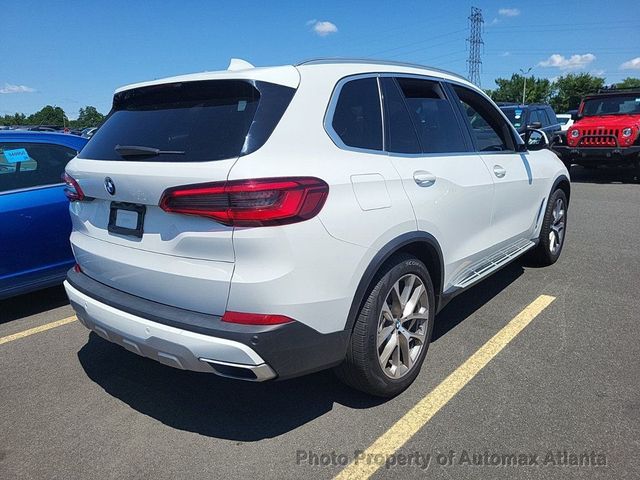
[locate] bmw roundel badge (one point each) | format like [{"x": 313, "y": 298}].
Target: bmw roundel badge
[{"x": 109, "y": 186}]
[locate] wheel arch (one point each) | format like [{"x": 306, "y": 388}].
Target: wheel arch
[
  {"x": 563, "y": 183},
  {"x": 422, "y": 245}
]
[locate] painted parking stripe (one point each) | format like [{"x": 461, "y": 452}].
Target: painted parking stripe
[
  {"x": 33, "y": 331},
  {"x": 425, "y": 409}
]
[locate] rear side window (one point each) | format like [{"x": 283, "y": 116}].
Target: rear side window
[
  {"x": 26, "y": 165},
  {"x": 357, "y": 119},
  {"x": 489, "y": 129},
  {"x": 433, "y": 116},
  {"x": 190, "y": 121},
  {"x": 401, "y": 136}
]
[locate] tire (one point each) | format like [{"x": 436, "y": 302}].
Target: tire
[
  {"x": 554, "y": 227},
  {"x": 362, "y": 368}
]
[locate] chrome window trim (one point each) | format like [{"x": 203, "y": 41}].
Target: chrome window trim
[
  {"x": 331, "y": 108},
  {"x": 333, "y": 135},
  {"x": 30, "y": 189}
]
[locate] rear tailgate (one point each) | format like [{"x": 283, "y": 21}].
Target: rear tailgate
[{"x": 178, "y": 133}]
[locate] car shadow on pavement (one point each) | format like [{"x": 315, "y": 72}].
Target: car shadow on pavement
[
  {"x": 32, "y": 303},
  {"x": 210, "y": 405},
  {"x": 604, "y": 175},
  {"x": 242, "y": 411}
]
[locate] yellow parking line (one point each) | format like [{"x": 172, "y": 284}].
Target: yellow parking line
[
  {"x": 425, "y": 409},
  {"x": 34, "y": 330}
]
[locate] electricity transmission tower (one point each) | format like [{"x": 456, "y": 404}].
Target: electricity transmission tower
[{"x": 475, "y": 44}]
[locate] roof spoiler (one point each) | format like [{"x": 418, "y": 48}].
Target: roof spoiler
[{"x": 239, "y": 64}]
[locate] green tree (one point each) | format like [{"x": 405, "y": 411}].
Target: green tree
[
  {"x": 49, "y": 115},
  {"x": 629, "y": 82},
  {"x": 15, "y": 119},
  {"x": 570, "y": 88},
  {"x": 88, "y": 117},
  {"x": 538, "y": 90}
]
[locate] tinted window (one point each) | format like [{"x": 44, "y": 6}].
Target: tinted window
[
  {"x": 24, "y": 165},
  {"x": 545, "y": 118},
  {"x": 201, "y": 121},
  {"x": 488, "y": 127},
  {"x": 551, "y": 115},
  {"x": 357, "y": 118},
  {"x": 515, "y": 115},
  {"x": 536, "y": 116},
  {"x": 433, "y": 116},
  {"x": 401, "y": 134}
]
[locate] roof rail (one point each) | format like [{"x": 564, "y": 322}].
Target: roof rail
[
  {"x": 372, "y": 61},
  {"x": 613, "y": 88}
]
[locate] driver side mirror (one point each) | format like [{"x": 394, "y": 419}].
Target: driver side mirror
[{"x": 536, "y": 139}]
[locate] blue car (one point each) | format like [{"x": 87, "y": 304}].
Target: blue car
[{"x": 34, "y": 211}]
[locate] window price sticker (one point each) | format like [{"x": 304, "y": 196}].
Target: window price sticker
[{"x": 16, "y": 155}]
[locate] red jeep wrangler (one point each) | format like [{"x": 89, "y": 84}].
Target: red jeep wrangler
[{"x": 606, "y": 131}]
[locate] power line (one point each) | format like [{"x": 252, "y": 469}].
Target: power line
[{"x": 474, "y": 63}]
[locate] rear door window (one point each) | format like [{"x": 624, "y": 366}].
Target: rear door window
[
  {"x": 401, "y": 136},
  {"x": 357, "y": 119},
  {"x": 189, "y": 121},
  {"x": 26, "y": 165},
  {"x": 433, "y": 116}
]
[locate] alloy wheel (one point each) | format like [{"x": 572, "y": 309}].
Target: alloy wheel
[
  {"x": 556, "y": 232},
  {"x": 402, "y": 326}
]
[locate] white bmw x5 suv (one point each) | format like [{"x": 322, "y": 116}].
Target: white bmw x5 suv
[{"x": 263, "y": 223}]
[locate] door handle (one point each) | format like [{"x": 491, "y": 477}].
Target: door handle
[
  {"x": 499, "y": 171},
  {"x": 424, "y": 179}
]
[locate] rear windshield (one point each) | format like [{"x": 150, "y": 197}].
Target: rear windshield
[{"x": 189, "y": 121}]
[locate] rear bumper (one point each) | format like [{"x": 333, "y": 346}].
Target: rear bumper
[
  {"x": 200, "y": 342},
  {"x": 599, "y": 155}
]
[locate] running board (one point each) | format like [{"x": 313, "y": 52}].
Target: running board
[{"x": 488, "y": 265}]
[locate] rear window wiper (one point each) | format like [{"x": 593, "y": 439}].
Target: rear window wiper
[{"x": 141, "y": 151}]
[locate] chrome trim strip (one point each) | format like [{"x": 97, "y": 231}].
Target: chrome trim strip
[
  {"x": 29, "y": 189},
  {"x": 328, "y": 117},
  {"x": 331, "y": 108}
]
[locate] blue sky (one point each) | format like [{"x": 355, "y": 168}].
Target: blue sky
[{"x": 72, "y": 53}]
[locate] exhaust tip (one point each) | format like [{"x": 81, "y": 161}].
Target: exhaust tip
[{"x": 251, "y": 373}]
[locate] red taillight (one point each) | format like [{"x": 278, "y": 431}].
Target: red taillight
[
  {"x": 255, "y": 318},
  {"x": 250, "y": 203},
  {"x": 77, "y": 269},
  {"x": 72, "y": 190}
]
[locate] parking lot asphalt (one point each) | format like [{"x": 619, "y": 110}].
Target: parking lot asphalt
[{"x": 75, "y": 406}]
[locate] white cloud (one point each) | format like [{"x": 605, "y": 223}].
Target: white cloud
[
  {"x": 322, "y": 28},
  {"x": 505, "y": 54},
  {"x": 509, "y": 12},
  {"x": 598, "y": 73},
  {"x": 574, "y": 61},
  {"x": 10, "y": 88},
  {"x": 633, "y": 64}
]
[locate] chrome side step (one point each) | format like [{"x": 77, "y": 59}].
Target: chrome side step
[{"x": 490, "y": 264}]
